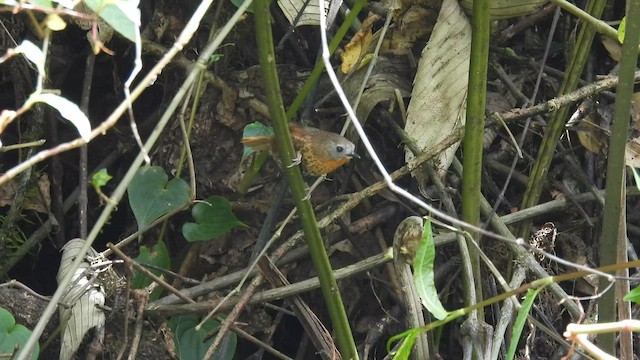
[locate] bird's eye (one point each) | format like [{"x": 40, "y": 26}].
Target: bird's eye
[{"x": 339, "y": 148}]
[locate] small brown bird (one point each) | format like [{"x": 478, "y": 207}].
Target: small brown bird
[{"x": 321, "y": 151}]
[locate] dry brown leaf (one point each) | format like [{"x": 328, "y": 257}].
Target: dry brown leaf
[
  {"x": 292, "y": 8},
  {"x": 358, "y": 45},
  {"x": 632, "y": 155},
  {"x": 613, "y": 46},
  {"x": 591, "y": 137},
  {"x": 388, "y": 76},
  {"x": 414, "y": 21},
  {"x": 438, "y": 100},
  {"x": 635, "y": 111},
  {"x": 40, "y": 201}
]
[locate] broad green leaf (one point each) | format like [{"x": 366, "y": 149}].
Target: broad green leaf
[
  {"x": 42, "y": 3},
  {"x": 423, "y": 273},
  {"x": 158, "y": 256},
  {"x": 521, "y": 320},
  {"x": 191, "y": 344},
  {"x": 409, "y": 335},
  {"x": 257, "y": 129},
  {"x": 633, "y": 295},
  {"x": 100, "y": 178},
  {"x": 213, "y": 218},
  {"x": 152, "y": 196},
  {"x": 68, "y": 110},
  {"x": 622, "y": 29},
  {"x": 13, "y": 335},
  {"x": 215, "y": 58},
  {"x": 404, "y": 351},
  {"x": 254, "y": 129},
  {"x": 122, "y": 15}
]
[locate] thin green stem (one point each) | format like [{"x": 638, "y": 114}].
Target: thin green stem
[
  {"x": 252, "y": 172},
  {"x": 594, "y": 22},
  {"x": 474, "y": 128},
  {"x": 613, "y": 205},
  {"x": 600, "y": 26},
  {"x": 328, "y": 284}
]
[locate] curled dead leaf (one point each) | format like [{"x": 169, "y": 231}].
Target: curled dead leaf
[
  {"x": 358, "y": 46},
  {"x": 37, "y": 199},
  {"x": 632, "y": 153},
  {"x": 438, "y": 100},
  {"x": 591, "y": 137}
]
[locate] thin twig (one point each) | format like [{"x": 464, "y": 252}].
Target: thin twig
[
  {"x": 83, "y": 199},
  {"x": 129, "y": 261}
]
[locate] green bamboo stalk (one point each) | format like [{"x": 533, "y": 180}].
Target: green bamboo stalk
[
  {"x": 328, "y": 284},
  {"x": 540, "y": 169},
  {"x": 614, "y": 201},
  {"x": 473, "y": 137}
]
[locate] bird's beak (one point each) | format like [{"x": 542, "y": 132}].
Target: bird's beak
[{"x": 353, "y": 156}]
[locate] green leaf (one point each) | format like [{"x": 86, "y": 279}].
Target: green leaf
[
  {"x": 521, "y": 321},
  {"x": 213, "y": 218},
  {"x": 100, "y": 178},
  {"x": 158, "y": 256},
  {"x": 151, "y": 196},
  {"x": 13, "y": 335},
  {"x": 122, "y": 15},
  {"x": 257, "y": 129},
  {"x": 423, "y": 273},
  {"x": 633, "y": 295},
  {"x": 622, "y": 29},
  {"x": 68, "y": 110},
  {"x": 408, "y": 338},
  {"x": 404, "y": 351},
  {"x": 215, "y": 58},
  {"x": 254, "y": 129},
  {"x": 191, "y": 344},
  {"x": 42, "y": 3}
]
